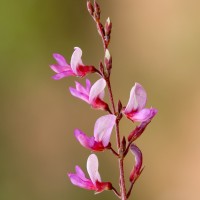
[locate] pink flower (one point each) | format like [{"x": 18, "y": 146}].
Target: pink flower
[
  {"x": 75, "y": 68},
  {"x": 135, "y": 109},
  {"x": 102, "y": 132},
  {"x": 92, "y": 95},
  {"x": 137, "y": 169},
  {"x": 94, "y": 183}
]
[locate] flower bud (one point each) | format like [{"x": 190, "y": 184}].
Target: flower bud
[
  {"x": 101, "y": 68},
  {"x": 108, "y": 27},
  {"x": 97, "y": 11},
  {"x": 90, "y": 8},
  {"x": 108, "y": 60},
  {"x": 119, "y": 106},
  {"x": 123, "y": 144},
  {"x": 138, "y": 131},
  {"x": 137, "y": 169}
]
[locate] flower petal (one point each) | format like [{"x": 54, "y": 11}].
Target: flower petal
[
  {"x": 76, "y": 180},
  {"x": 83, "y": 89},
  {"x": 79, "y": 95},
  {"x": 87, "y": 142},
  {"x": 88, "y": 85},
  {"x": 97, "y": 90},
  {"x": 58, "y": 68},
  {"x": 80, "y": 173},
  {"x": 62, "y": 75},
  {"x": 143, "y": 115},
  {"x": 103, "y": 128},
  {"x": 60, "y": 59},
  {"x": 92, "y": 168},
  {"x": 76, "y": 59},
  {"x": 136, "y": 171},
  {"x": 137, "y": 100}
]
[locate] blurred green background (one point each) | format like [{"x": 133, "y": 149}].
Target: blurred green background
[{"x": 155, "y": 43}]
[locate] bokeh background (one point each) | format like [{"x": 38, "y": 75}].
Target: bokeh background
[{"x": 155, "y": 43}]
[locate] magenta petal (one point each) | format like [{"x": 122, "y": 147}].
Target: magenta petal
[
  {"x": 60, "y": 59},
  {"x": 143, "y": 115},
  {"x": 85, "y": 141},
  {"x": 62, "y": 75},
  {"x": 82, "y": 89},
  {"x": 59, "y": 68},
  {"x": 103, "y": 129},
  {"x": 88, "y": 85},
  {"x": 80, "y": 173},
  {"x": 82, "y": 183},
  {"x": 79, "y": 95},
  {"x": 76, "y": 60},
  {"x": 138, "y": 162},
  {"x": 137, "y": 100}
]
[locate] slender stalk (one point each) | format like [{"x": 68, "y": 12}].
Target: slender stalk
[
  {"x": 113, "y": 151},
  {"x": 127, "y": 148},
  {"x": 122, "y": 180},
  {"x": 117, "y": 193},
  {"x": 123, "y": 195},
  {"x": 130, "y": 189},
  {"x": 121, "y": 159},
  {"x": 111, "y": 95}
]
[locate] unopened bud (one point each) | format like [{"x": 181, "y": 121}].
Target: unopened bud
[
  {"x": 100, "y": 29},
  {"x": 138, "y": 131},
  {"x": 90, "y": 8},
  {"x": 123, "y": 144},
  {"x": 108, "y": 27},
  {"x": 137, "y": 169},
  {"x": 97, "y": 10},
  {"x": 108, "y": 60},
  {"x": 101, "y": 68},
  {"x": 119, "y": 106}
]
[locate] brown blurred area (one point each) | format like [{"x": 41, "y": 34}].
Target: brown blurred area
[{"x": 155, "y": 43}]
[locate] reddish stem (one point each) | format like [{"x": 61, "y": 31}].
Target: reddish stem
[
  {"x": 123, "y": 195},
  {"x": 121, "y": 159},
  {"x": 113, "y": 151},
  {"x": 127, "y": 148},
  {"x": 122, "y": 180},
  {"x": 116, "y": 193}
]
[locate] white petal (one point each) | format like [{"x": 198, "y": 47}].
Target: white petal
[
  {"x": 97, "y": 90},
  {"x": 137, "y": 100},
  {"x": 103, "y": 129},
  {"x": 92, "y": 168},
  {"x": 76, "y": 59}
]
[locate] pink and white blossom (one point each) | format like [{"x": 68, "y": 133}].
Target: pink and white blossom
[
  {"x": 135, "y": 109},
  {"x": 102, "y": 132},
  {"x": 94, "y": 183},
  {"x": 75, "y": 68},
  {"x": 137, "y": 169},
  {"x": 92, "y": 95}
]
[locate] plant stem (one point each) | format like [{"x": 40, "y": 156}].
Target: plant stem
[
  {"x": 123, "y": 195},
  {"x": 121, "y": 159},
  {"x": 111, "y": 95},
  {"x": 122, "y": 180},
  {"x": 113, "y": 151},
  {"x": 116, "y": 193}
]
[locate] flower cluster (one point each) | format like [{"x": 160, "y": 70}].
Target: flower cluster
[{"x": 93, "y": 94}]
